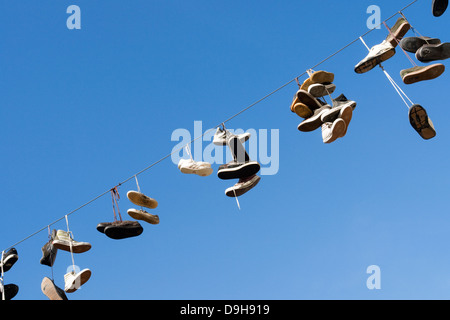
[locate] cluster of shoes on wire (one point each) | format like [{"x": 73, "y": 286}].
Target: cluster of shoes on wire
[
  {"x": 309, "y": 103},
  {"x": 241, "y": 167},
  {"x": 425, "y": 50}
]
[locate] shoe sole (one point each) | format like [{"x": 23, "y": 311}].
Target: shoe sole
[
  {"x": 142, "y": 200},
  {"x": 201, "y": 172},
  {"x": 147, "y": 217},
  {"x": 435, "y": 52},
  {"x": 118, "y": 232},
  {"x": 312, "y": 123},
  {"x": 307, "y": 99},
  {"x": 239, "y": 192},
  {"x": 412, "y": 44},
  {"x": 439, "y": 7},
  {"x": 338, "y": 130},
  {"x": 399, "y": 33},
  {"x": 419, "y": 120},
  {"x": 63, "y": 245},
  {"x": 374, "y": 61},
  {"x": 322, "y": 77},
  {"x": 426, "y": 73},
  {"x": 48, "y": 287},
  {"x": 9, "y": 262},
  {"x": 318, "y": 90},
  {"x": 302, "y": 110},
  {"x": 243, "y": 171}
]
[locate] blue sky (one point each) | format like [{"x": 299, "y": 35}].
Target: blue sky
[{"x": 82, "y": 110}]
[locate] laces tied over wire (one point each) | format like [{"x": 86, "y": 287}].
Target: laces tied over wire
[
  {"x": 115, "y": 203},
  {"x": 2, "y": 286}
]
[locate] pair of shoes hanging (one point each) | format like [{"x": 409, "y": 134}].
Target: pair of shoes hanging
[
  {"x": 438, "y": 7},
  {"x": 53, "y": 292},
  {"x": 8, "y": 259},
  {"x": 142, "y": 200}
]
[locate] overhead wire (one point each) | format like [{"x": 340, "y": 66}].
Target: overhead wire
[{"x": 214, "y": 128}]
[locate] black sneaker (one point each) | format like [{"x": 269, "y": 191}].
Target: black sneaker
[
  {"x": 433, "y": 52},
  {"x": 439, "y": 7},
  {"x": 237, "y": 170},
  {"x": 123, "y": 229},
  {"x": 9, "y": 258},
  {"x": 102, "y": 225},
  {"x": 420, "y": 121},
  {"x": 49, "y": 252},
  {"x": 11, "y": 291}
]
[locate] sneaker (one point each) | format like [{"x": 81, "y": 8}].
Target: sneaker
[
  {"x": 308, "y": 99},
  {"x": 377, "y": 54},
  {"x": 11, "y": 291},
  {"x": 141, "y": 199},
  {"x": 9, "y": 259},
  {"x": 420, "y": 121},
  {"x": 190, "y": 166},
  {"x": 49, "y": 288},
  {"x": 300, "y": 109},
  {"x": 322, "y": 77},
  {"x": 315, "y": 121},
  {"x": 333, "y": 130},
  {"x": 221, "y": 136},
  {"x": 49, "y": 252},
  {"x": 244, "y": 185},
  {"x": 346, "y": 114},
  {"x": 400, "y": 28},
  {"x": 422, "y": 73},
  {"x": 338, "y": 104},
  {"x": 318, "y": 90},
  {"x": 123, "y": 229},
  {"x": 412, "y": 44},
  {"x": 63, "y": 241},
  {"x": 102, "y": 225},
  {"x": 433, "y": 52},
  {"x": 237, "y": 170},
  {"x": 73, "y": 281},
  {"x": 143, "y": 215},
  {"x": 439, "y": 7}
]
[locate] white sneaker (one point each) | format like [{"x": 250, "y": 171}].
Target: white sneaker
[
  {"x": 73, "y": 281},
  {"x": 190, "y": 166},
  {"x": 333, "y": 130},
  {"x": 244, "y": 185},
  {"x": 220, "y": 137},
  {"x": 377, "y": 54}
]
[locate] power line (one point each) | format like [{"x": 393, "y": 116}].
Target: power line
[{"x": 223, "y": 122}]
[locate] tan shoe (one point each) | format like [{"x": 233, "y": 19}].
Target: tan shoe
[
  {"x": 143, "y": 215},
  {"x": 49, "y": 288},
  {"x": 63, "y": 241},
  {"x": 422, "y": 73},
  {"x": 142, "y": 200},
  {"x": 400, "y": 28}
]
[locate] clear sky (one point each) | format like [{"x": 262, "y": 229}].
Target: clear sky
[{"x": 83, "y": 110}]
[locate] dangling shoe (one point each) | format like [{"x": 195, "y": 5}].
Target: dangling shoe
[
  {"x": 433, "y": 52},
  {"x": 338, "y": 104},
  {"x": 221, "y": 136},
  {"x": 11, "y": 291},
  {"x": 9, "y": 259},
  {"x": 63, "y": 241},
  {"x": 422, "y": 73},
  {"x": 331, "y": 131},
  {"x": 412, "y": 44},
  {"x": 123, "y": 229},
  {"x": 315, "y": 121},
  {"x": 377, "y": 54},
  {"x": 190, "y": 166},
  {"x": 73, "y": 281},
  {"x": 141, "y": 200},
  {"x": 420, "y": 121},
  {"x": 299, "y": 108},
  {"x": 49, "y": 251},
  {"x": 244, "y": 185},
  {"x": 237, "y": 170},
  {"x": 318, "y": 90},
  {"x": 400, "y": 28},
  {"x": 439, "y": 7},
  {"x": 143, "y": 215},
  {"x": 49, "y": 288}
]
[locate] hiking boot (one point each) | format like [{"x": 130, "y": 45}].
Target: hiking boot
[
  {"x": 73, "y": 281},
  {"x": 338, "y": 104},
  {"x": 237, "y": 170},
  {"x": 315, "y": 121},
  {"x": 433, "y": 52},
  {"x": 141, "y": 199},
  {"x": 318, "y": 90},
  {"x": 244, "y": 185},
  {"x": 221, "y": 136},
  {"x": 377, "y": 54},
  {"x": 333, "y": 130},
  {"x": 49, "y": 252},
  {"x": 63, "y": 241},
  {"x": 422, "y": 73},
  {"x": 412, "y": 44},
  {"x": 420, "y": 121},
  {"x": 11, "y": 291},
  {"x": 190, "y": 166},
  {"x": 400, "y": 28},
  {"x": 123, "y": 229},
  {"x": 49, "y": 288},
  {"x": 9, "y": 258},
  {"x": 143, "y": 215},
  {"x": 438, "y": 7}
]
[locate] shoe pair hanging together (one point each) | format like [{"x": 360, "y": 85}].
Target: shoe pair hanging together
[{"x": 7, "y": 260}]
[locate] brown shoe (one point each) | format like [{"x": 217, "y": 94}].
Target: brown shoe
[
  {"x": 422, "y": 73},
  {"x": 420, "y": 121},
  {"x": 398, "y": 31}
]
